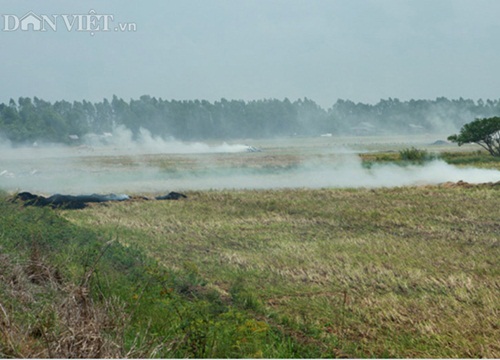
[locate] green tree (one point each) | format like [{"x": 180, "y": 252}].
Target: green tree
[{"x": 484, "y": 132}]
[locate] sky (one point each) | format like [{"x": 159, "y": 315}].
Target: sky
[{"x": 360, "y": 50}]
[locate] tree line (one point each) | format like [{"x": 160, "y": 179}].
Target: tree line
[{"x": 29, "y": 120}]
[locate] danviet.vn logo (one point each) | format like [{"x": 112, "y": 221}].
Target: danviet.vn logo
[{"x": 90, "y": 22}]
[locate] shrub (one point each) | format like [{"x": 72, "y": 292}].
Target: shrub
[{"x": 413, "y": 154}]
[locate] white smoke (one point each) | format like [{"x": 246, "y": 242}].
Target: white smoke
[
  {"x": 114, "y": 163},
  {"x": 121, "y": 141},
  {"x": 90, "y": 175},
  {"x": 347, "y": 173}
]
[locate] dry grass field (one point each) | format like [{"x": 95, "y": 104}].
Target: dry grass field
[{"x": 399, "y": 272}]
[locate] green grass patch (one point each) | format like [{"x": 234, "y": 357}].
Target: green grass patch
[
  {"x": 479, "y": 158},
  {"x": 72, "y": 291}
]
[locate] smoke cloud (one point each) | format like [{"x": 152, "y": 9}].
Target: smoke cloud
[
  {"x": 348, "y": 172},
  {"x": 98, "y": 168},
  {"x": 122, "y": 141}
]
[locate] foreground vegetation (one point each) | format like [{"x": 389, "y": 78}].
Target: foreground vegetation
[
  {"x": 404, "y": 272},
  {"x": 67, "y": 291}
]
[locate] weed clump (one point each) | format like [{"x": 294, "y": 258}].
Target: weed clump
[
  {"x": 44, "y": 316},
  {"x": 244, "y": 297},
  {"x": 415, "y": 155}
]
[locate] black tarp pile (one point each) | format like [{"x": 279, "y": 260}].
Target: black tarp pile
[
  {"x": 171, "y": 196},
  {"x": 81, "y": 201}
]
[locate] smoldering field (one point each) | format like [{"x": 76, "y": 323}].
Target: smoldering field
[
  {"x": 361, "y": 273},
  {"x": 147, "y": 164}
]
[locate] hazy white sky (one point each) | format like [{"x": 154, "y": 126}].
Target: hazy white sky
[{"x": 362, "y": 50}]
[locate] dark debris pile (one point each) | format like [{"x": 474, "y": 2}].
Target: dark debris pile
[{"x": 58, "y": 201}]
